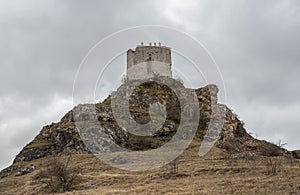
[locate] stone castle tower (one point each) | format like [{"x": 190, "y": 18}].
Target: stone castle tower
[{"x": 148, "y": 61}]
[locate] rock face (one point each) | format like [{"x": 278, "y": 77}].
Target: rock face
[
  {"x": 26, "y": 170},
  {"x": 87, "y": 124},
  {"x": 296, "y": 154},
  {"x": 53, "y": 139}
]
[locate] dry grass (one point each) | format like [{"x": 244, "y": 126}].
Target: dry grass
[
  {"x": 39, "y": 143},
  {"x": 208, "y": 175}
]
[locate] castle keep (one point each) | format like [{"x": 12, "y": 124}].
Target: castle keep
[{"x": 147, "y": 61}]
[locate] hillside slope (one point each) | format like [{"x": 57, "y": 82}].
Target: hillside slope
[{"x": 72, "y": 135}]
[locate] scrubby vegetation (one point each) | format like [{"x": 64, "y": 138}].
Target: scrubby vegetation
[{"x": 59, "y": 175}]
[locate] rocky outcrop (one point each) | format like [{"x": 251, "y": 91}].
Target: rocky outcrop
[
  {"x": 296, "y": 154},
  {"x": 26, "y": 170},
  {"x": 91, "y": 128},
  {"x": 53, "y": 139}
]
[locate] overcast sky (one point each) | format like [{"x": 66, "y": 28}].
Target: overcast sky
[{"x": 256, "y": 45}]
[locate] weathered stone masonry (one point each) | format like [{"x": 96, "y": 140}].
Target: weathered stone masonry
[{"x": 148, "y": 61}]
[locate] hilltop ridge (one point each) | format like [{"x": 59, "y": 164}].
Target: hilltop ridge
[
  {"x": 63, "y": 137},
  {"x": 90, "y": 129}
]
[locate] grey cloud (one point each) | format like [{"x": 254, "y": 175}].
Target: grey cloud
[
  {"x": 42, "y": 45},
  {"x": 255, "y": 44}
]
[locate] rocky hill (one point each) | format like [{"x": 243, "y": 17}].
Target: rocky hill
[
  {"x": 73, "y": 133},
  {"x": 63, "y": 137}
]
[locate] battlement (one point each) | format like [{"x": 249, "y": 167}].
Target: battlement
[{"x": 149, "y": 60}]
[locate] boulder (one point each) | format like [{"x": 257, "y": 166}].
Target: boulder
[{"x": 296, "y": 154}]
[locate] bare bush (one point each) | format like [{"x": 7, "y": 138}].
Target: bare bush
[
  {"x": 174, "y": 167},
  {"x": 280, "y": 144},
  {"x": 290, "y": 160},
  {"x": 59, "y": 176},
  {"x": 269, "y": 149},
  {"x": 272, "y": 166}
]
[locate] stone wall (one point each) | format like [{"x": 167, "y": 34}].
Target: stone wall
[{"x": 147, "y": 61}]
